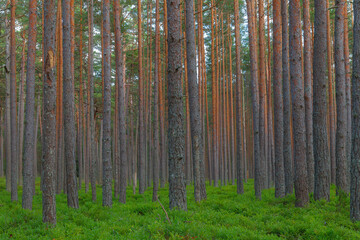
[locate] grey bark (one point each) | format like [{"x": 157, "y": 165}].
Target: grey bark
[
  {"x": 288, "y": 156},
  {"x": 321, "y": 147},
  {"x": 7, "y": 107},
  {"x": 355, "y": 152},
  {"x": 340, "y": 78},
  {"x": 308, "y": 95},
  {"x": 194, "y": 104},
  {"x": 278, "y": 101},
  {"x": 176, "y": 136},
  {"x": 298, "y": 105},
  {"x": 29, "y": 141},
  {"x": 239, "y": 86},
  {"x": 13, "y": 129},
  {"x": 49, "y": 121},
  {"x": 69, "y": 111},
  {"x": 106, "y": 153}
]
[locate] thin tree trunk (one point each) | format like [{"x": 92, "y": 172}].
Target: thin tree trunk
[
  {"x": 341, "y": 130},
  {"x": 106, "y": 154},
  {"x": 91, "y": 118},
  {"x": 142, "y": 143},
  {"x": 30, "y": 141},
  {"x": 177, "y": 188},
  {"x": 49, "y": 121},
  {"x": 255, "y": 94},
  {"x": 14, "y": 159},
  {"x": 69, "y": 110},
  {"x": 278, "y": 101},
  {"x": 308, "y": 95},
  {"x": 157, "y": 76},
  {"x": 298, "y": 105},
  {"x": 239, "y": 104},
  {"x": 288, "y": 156},
  {"x": 355, "y": 153},
  {"x": 7, "y": 107},
  {"x": 321, "y": 149}
]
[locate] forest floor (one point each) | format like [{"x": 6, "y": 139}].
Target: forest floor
[{"x": 224, "y": 215}]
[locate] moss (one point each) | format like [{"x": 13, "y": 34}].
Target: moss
[{"x": 224, "y": 215}]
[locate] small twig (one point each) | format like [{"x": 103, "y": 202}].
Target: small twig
[{"x": 167, "y": 216}]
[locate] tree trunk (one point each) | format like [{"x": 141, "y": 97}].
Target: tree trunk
[
  {"x": 278, "y": 101},
  {"x": 239, "y": 86},
  {"x": 177, "y": 185},
  {"x": 355, "y": 152},
  {"x": 142, "y": 143},
  {"x": 341, "y": 130},
  {"x": 255, "y": 94},
  {"x": 30, "y": 141},
  {"x": 69, "y": 110},
  {"x": 106, "y": 153},
  {"x": 7, "y": 108},
  {"x": 157, "y": 76},
  {"x": 14, "y": 159},
  {"x": 193, "y": 91},
  {"x": 91, "y": 118},
  {"x": 288, "y": 156},
  {"x": 321, "y": 149},
  {"x": 49, "y": 121},
  {"x": 308, "y": 95},
  {"x": 298, "y": 105}
]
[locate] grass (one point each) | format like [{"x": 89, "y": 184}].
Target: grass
[{"x": 224, "y": 215}]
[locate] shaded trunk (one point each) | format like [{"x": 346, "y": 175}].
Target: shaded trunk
[
  {"x": 49, "y": 121},
  {"x": 298, "y": 105},
  {"x": 355, "y": 151},
  {"x": 321, "y": 148},
  {"x": 239, "y": 109},
  {"x": 308, "y": 95},
  {"x": 69, "y": 110},
  {"x": 29, "y": 174},
  {"x": 106, "y": 152},
  {"x": 340, "y": 78},
  {"x": 278, "y": 102},
  {"x": 14, "y": 156},
  {"x": 177, "y": 185},
  {"x": 287, "y": 149}
]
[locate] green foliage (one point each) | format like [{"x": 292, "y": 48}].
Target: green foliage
[{"x": 225, "y": 215}]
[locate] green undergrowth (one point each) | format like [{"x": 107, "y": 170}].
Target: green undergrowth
[{"x": 224, "y": 215}]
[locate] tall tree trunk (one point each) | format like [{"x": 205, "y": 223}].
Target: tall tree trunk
[
  {"x": 157, "y": 76},
  {"x": 321, "y": 149},
  {"x": 262, "y": 95},
  {"x": 177, "y": 185},
  {"x": 121, "y": 103},
  {"x": 142, "y": 143},
  {"x": 355, "y": 152},
  {"x": 348, "y": 91},
  {"x": 20, "y": 115},
  {"x": 255, "y": 95},
  {"x": 49, "y": 121},
  {"x": 239, "y": 87},
  {"x": 106, "y": 153},
  {"x": 193, "y": 91},
  {"x": 288, "y": 156},
  {"x": 341, "y": 130},
  {"x": 91, "y": 118},
  {"x": 69, "y": 110},
  {"x": 298, "y": 105},
  {"x": 30, "y": 141},
  {"x": 332, "y": 107},
  {"x": 7, "y": 107},
  {"x": 14, "y": 159},
  {"x": 308, "y": 95},
  {"x": 278, "y": 101}
]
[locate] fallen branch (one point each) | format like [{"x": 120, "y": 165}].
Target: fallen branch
[{"x": 167, "y": 216}]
